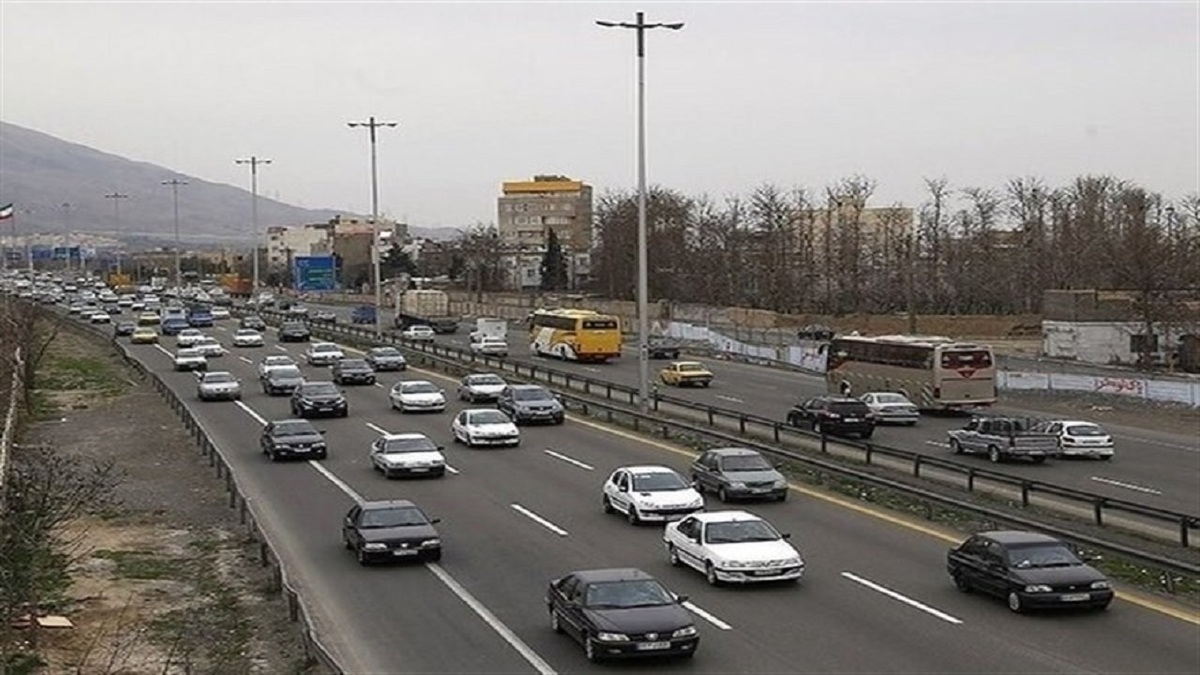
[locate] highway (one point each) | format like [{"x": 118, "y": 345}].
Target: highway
[
  {"x": 1151, "y": 467},
  {"x": 876, "y": 597}
]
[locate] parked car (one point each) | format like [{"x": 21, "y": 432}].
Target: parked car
[
  {"x": 529, "y": 403},
  {"x": 282, "y": 380},
  {"x": 486, "y": 426},
  {"x": 621, "y": 613},
  {"x": 489, "y": 346},
  {"x": 409, "y": 454},
  {"x": 283, "y": 439},
  {"x": 353, "y": 371},
  {"x": 190, "y": 359},
  {"x": 217, "y": 386},
  {"x": 663, "y": 348},
  {"x": 417, "y": 396},
  {"x": 649, "y": 494},
  {"x": 834, "y": 415},
  {"x": 386, "y": 358},
  {"x": 417, "y": 333},
  {"x": 1080, "y": 439},
  {"x": 891, "y": 408},
  {"x": 294, "y": 331},
  {"x": 738, "y": 473},
  {"x": 1029, "y": 570},
  {"x": 732, "y": 546},
  {"x": 323, "y": 354},
  {"x": 686, "y": 374},
  {"x": 247, "y": 337},
  {"x": 480, "y": 387},
  {"x": 318, "y": 398},
  {"x": 394, "y": 529},
  {"x": 1003, "y": 439}
]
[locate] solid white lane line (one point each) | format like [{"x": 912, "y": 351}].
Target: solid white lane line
[
  {"x": 281, "y": 348},
  {"x": 490, "y": 619},
  {"x": 336, "y": 481},
  {"x": 452, "y": 470},
  {"x": 706, "y": 616},
  {"x": 1127, "y": 486},
  {"x": 1151, "y": 441},
  {"x": 379, "y": 384},
  {"x": 902, "y": 598},
  {"x": 378, "y": 429},
  {"x": 250, "y": 411},
  {"x": 163, "y": 350},
  {"x": 937, "y": 444},
  {"x": 245, "y": 359},
  {"x": 569, "y": 460},
  {"x": 539, "y": 520},
  {"x": 733, "y": 399}
]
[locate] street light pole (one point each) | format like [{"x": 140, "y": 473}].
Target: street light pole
[
  {"x": 175, "y": 183},
  {"x": 643, "y": 291},
  {"x": 66, "y": 207},
  {"x": 116, "y": 198},
  {"x": 254, "y": 161},
  {"x": 372, "y": 124}
]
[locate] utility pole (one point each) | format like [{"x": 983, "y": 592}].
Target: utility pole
[
  {"x": 66, "y": 207},
  {"x": 175, "y": 183},
  {"x": 371, "y": 125},
  {"x": 254, "y": 161},
  {"x": 643, "y": 291},
  {"x": 116, "y": 198}
]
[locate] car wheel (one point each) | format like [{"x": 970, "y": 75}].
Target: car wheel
[
  {"x": 783, "y": 496},
  {"x": 362, "y": 557},
  {"x": 434, "y": 556},
  {"x": 961, "y": 583},
  {"x": 867, "y": 434},
  {"x": 994, "y": 455},
  {"x": 1038, "y": 460},
  {"x": 1014, "y": 602},
  {"x": 607, "y": 505},
  {"x": 672, "y": 555},
  {"x": 273, "y": 455},
  {"x": 1106, "y": 458},
  {"x": 346, "y": 542},
  {"x": 955, "y": 446},
  {"x": 632, "y": 516},
  {"x": 560, "y": 419},
  {"x": 555, "y": 624},
  {"x": 344, "y": 413},
  {"x": 710, "y": 574},
  {"x": 589, "y": 650},
  {"x": 722, "y": 494}
]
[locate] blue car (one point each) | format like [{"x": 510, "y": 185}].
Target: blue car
[
  {"x": 200, "y": 318},
  {"x": 363, "y": 314},
  {"x": 172, "y": 326}
]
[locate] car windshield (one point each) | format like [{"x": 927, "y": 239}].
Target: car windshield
[
  {"x": 1042, "y": 555},
  {"x": 188, "y": 352},
  {"x": 279, "y": 361},
  {"x": 745, "y": 463},
  {"x": 393, "y": 517},
  {"x": 1085, "y": 430},
  {"x": 219, "y": 378},
  {"x": 293, "y": 325},
  {"x": 739, "y": 531},
  {"x": 850, "y": 408},
  {"x": 209, "y": 342},
  {"x": 413, "y": 444},
  {"x": 625, "y": 594},
  {"x": 537, "y": 394},
  {"x": 246, "y": 332},
  {"x": 484, "y": 380},
  {"x": 286, "y": 372},
  {"x": 319, "y": 389},
  {"x": 354, "y": 364},
  {"x": 659, "y": 481},
  {"x": 190, "y": 332},
  {"x": 385, "y": 351},
  {"x": 326, "y": 348},
  {"x": 294, "y": 428},
  {"x": 890, "y": 398},
  {"x": 487, "y": 417},
  {"x": 418, "y": 388}
]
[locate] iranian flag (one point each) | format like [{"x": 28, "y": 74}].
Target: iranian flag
[{"x": 6, "y": 212}]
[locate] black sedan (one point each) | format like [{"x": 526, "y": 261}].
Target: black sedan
[
  {"x": 283, "y": 439},
  {"x": 294, "y": 331},
  {"x": 390, "y": 530},
  {"x": 833, "y": 415},
  {"x": 386, "y": 358},
  {"x": 282, "y": 380},
  {"x": 353, "y": 371},
  {"x": 738, "y": 473},
  {"x": 618, "y": 613},
  {"x": 319, "y": 398},
  {"x": 663, "y": 348},
  {"x": 1029, "y": 570}
]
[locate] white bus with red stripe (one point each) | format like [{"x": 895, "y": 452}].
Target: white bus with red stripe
[{"x": 936, "y": 373}]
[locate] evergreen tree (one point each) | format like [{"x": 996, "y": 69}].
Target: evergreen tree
[{"x": 554, "y": 265}]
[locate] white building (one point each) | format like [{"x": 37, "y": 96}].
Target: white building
[{"x": 284, "y": 243}]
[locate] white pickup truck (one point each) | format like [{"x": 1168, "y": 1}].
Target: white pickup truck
[
  {"x": 489, "y": 346},
  {"x": 1003, "y": 439}
]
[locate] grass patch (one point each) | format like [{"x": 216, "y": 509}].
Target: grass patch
[
  {"x": 145, "y": 566},
  {"x": 80, "y": 373}
]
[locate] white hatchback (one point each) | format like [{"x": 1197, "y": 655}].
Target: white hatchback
[
  {"x": 732, "y": 546},
  {"x": 188, "y": 337},
  {"x": 650, "y": 494},
  {"x": 485, "y": 426},
  {"x": 247, "y": 337},
  {"x": 407, "y": 455},
  {"x": 324, "y": 354},
  {"x": 417, "y": 396},
  {"x": 1082, "y": 439},
  {"x": 274, "y": 361}
]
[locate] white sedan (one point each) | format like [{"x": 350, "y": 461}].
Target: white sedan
[
  {"x": 188, "y": 337},
  {"x": 324, "y": 354},
  {"x": 732, "y": 546},
  {"x": 486, "y": 426},
  {"x": 489, "y": 346},
  {"x": 1082, "y": 439},
  {"x": 892, "y": 408},
  {"x": 274, "y": 361},
  {"x": 417, "y": 395},
  {"x": 99, "y": 317},
  {"x": 417, "y": 334},
  {"x": 650, "y": 494},
  {"x": 247, "y": 337},
  {"x": 210, "y": 347},
  {"x": 219, "y": 313},
  {"x": 407, "y": 455}
]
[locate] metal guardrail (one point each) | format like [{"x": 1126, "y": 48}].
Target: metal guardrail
[
  {"x": 749, "y": 424},
  {"x": 314, "y": 650},
  {"x": 667, "y": 428}
]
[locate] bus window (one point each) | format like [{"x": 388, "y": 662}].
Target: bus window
[{"x": 966, "y": 359}]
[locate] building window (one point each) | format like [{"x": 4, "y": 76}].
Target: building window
[{"x": 1139, "y": 344}]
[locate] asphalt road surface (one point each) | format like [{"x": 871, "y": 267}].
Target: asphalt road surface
[{"x": 875, "y": 598}]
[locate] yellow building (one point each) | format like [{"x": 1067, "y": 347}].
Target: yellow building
[{"x": 527, "y": 210}]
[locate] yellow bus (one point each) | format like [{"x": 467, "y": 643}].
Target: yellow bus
[
  {"x": 574, "y": 334},
  {"x": 936, "y": 373}
]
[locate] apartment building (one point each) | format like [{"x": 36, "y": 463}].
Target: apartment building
[{"x": 527, "y": 210}]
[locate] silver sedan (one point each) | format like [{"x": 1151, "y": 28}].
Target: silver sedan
[{"x": 891, "y": 408}]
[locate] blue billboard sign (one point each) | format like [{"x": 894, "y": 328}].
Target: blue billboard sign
[
  {"x": 40, "y": 252},
  {"x": 314, "y": 273}
]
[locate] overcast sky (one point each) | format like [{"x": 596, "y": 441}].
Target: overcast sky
[{"x": 796, "y": 94}]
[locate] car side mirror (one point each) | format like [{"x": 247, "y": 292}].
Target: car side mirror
[
  {"x": 441, "y": 447},
  {"x": 434, "y": 521},
  {"x": 681, "y": 599},
  {"x": 786, "y": 535},
  {"x": 622, "y": 488},
  {"x": 321, "y": 431}
]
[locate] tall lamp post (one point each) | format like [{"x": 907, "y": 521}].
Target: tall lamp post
[
  {"x": 175, "y": 183},
  {"x": 254, "y": 161},
  {"x": 371, "y": 125},
  {"x": 116, "y": 198},
  {"x": 66, "y": 207},
  {"x": 643, "y": 292}
]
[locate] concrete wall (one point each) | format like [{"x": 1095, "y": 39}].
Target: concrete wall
[{"x": 1106, "y": 342}]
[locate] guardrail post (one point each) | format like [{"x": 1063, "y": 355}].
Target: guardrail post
[
  {"x": 868, "y": 451},
  {"x": 917, "y": 465},
  {"x": 1025, "y": 493},
  {"x": 824, "y": 442},
  {"x": 231, "y": 489},
  {"x": 711, "y": 422},
  {"x": 293, "y": 601},
  {"x": 1098, "y": 511},
  {"x": 742, "y": 423},
  {"x": 970, "y": 480},
  {"x": 1185, "y": 523}
]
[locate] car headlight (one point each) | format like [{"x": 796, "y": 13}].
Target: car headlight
[
  {"x": 1100, "y": 585},
  {"x": 738, "y": 486},
  {"x": 697, "y": 503},
  {"x": 1037, "y": 588},
  {"x": 431, "y": 542},
  {"x": 736, "y": 564},
  {"x": 374, "y": 546},
  {"x": 611, "y": 637},
  {"x": 781, "y": 483},
  {"x": 686, "y": 631}
]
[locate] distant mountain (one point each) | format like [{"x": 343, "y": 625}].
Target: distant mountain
[{"x": 39, "y": 173}]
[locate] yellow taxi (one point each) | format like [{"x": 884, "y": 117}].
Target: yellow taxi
[
  {"x": 144, "y": 335},
  {"x": 148, "y": 319},
  {"x": 686, "y": 374}
]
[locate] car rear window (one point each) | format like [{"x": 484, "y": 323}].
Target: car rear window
[{"x": 849, "y": 407}]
